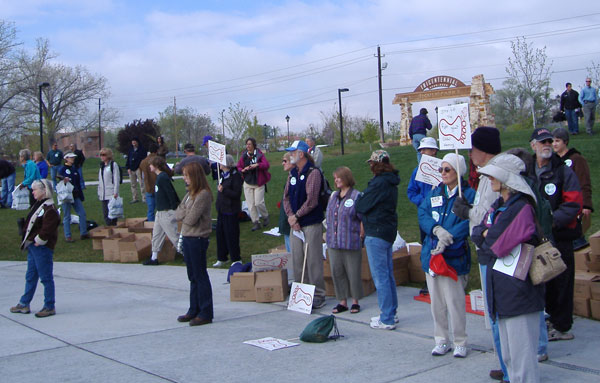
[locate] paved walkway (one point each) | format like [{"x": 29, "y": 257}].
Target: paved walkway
[{"x": 117, "y": 323}]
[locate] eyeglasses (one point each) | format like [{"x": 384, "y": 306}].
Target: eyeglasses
[
  {"x": 445, "y": 170},
  {"x": 284, "y": 161},
  {"x": 547, "y": 141},
  {"x": 588, "y": 80},
  {"x": 102, "y": 154}
]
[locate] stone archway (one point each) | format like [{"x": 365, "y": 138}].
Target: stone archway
[{"x": 443, "y": 87}]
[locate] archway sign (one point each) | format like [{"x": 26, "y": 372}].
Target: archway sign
[{"x": 444, "y": 87}]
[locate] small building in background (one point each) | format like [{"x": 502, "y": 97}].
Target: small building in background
[{"x": 86, "y": 141}]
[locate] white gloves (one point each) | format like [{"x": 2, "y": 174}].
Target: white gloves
[{"x": 445, "y": 239}]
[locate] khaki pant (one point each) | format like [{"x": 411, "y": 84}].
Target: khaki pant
[
  {"x": 164, "y": 225},
  {"x": 313, "y": 274},
  {"x": 448, "y": 300},
  {"x": 345, "y": 272},
  {"x": 255, "y": 198},
  {"x": 133, "y": 177}
]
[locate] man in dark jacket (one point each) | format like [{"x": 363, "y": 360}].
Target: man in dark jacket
[
  {"x": 78, "y": 164},
  {"x": 8, "y": 175},
  {"x": 135, "y": 156},
  {"x": 418, "y": 130},
  {"x": 229, "y": 206},
  {"x": 579, "y": 165},
  {"x": 54, "y": 160},
  {"x": 559, "y": 185},
  {"x": 569, "y": 103},
  {"x": 305, "y": 214}
]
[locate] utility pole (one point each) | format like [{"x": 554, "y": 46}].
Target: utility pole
[
  {"x": 380, "y": 94},
  {"x": 223, "y": 123},
  {"x": 175, "y": 127},
  {"x": 99, "y": 126}
]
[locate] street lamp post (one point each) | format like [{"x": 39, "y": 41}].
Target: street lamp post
[
  {"x": 40, "y": 86},
  {"x": 223, "y": 122},
  {"x": 341, "y": 119},
  {"x": 287, "y": 119}
]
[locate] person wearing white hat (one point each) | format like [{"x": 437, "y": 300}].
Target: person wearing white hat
[
  {"x": 514, "y": 304},
  {"x": 417, "y": 190},
  {"x": 446, "y": 234},
  {"x": 69, "y": 173}
]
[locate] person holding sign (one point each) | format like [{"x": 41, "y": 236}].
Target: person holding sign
[
  {"x": 417, "y": 190},
  {"x": 228, "y": 205},
  {"x": 515, "y": 304},
  {"x": 447, "y": 235},
  {"x": 377, "y": 205}
]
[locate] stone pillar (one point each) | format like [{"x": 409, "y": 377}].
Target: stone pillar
[
  {"x": 480, "y": 110},
  {"x": 405, "y": 119}
]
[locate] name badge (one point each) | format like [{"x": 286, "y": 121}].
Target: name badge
[
  {"x": 68, "y": 171},
  {"x": 302, "y": 177},
  {"x": 41, "y": 213},
  {"x": 437, "y": 201},
  {"x": 435, "y": 215},
  {"x": 349, "y": 203},
  {"x": 489, "y": 220},
  {"x": 156, "y": 188},
  {"x": 550, "y": 189},
  {"x": 293, "y": 181},
  {"x": 569, "y": 162}
]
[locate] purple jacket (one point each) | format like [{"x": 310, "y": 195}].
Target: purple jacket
[
  {"x": 343, "y": 222},
  {"x": 262, "y": 174}
]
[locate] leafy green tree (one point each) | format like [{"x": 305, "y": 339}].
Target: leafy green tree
[{"x": 370, "y": 132}]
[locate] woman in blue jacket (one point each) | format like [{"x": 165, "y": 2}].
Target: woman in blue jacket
[{"x": 447, "y": 234}]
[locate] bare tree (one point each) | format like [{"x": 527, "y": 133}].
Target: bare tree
[
  {"x": 191, "y": 126},
  {"x": 529, "y": 73},
  {"x": 66, "y": 103},
  {"x": 10, "y": 83},
  {"x": 594, "y": 73},
  {"x": 237, "y": 121}
]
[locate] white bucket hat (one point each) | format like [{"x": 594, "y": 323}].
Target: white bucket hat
[
  {"x": 452, "y": 158},
  {"x": 507, "y": 169},
  {"x": 428, "y": 143}
]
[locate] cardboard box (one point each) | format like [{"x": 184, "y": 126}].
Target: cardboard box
[
  {"x": 167, "y": 253},
  {"x": 278, "y": 249},
  {"x": 368, "y": 287},
  {"x": 582, "y": 257},
  {"x": 401, "y": 276},
  {"x": 110, "y": 248},
  {"x": 583, "y": 284},
  {"x": 121, "y": 230},
  {"x": 134, "y": 248},
  {"x": 581, "y": 307},
  {"x": 142, "y": 227},
  {"x": 271, "y": 286},
  {"x": 241, "y": 288},
  {"x": 271, "y": 261},
  {"x": 130, "y": 222},
  {"x": 98, "y": 234},
  {"x": 595, "y": 308},
  {"x": 327, "y": 267},
  {"x": 595, "y": 290},
  {"x": 416, "y": 274},
  {"x": 414, "y": 250},
  {"x": 593, "y": 267},
  {"x": 329, "y": 287},
  {"x": 594, "y": 241}
]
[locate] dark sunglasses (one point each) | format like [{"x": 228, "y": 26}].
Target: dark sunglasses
[
  {"x": 284, "y": 161},
  {"x": 547, "y": 141},
  {"x": 447, "y": 170}
]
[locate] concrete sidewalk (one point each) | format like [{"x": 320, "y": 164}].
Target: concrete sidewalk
[{"x": 117, "y": 323}]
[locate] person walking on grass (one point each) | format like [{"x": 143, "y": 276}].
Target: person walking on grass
[
  {"x": 165, "y": 223},
  {"x": 54, "y": 159},
  {"x": 40, "y": 237},
  {"x": 194, "y": 214},
  {"x": 69, "y": 174},
  {"x": 589, "y": 99}
]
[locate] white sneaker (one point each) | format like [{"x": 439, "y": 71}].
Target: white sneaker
[
  {"x": 218, "y": 264},
  {"x": 382, "y": 326},
  {"x": 441, "y": 349},
  {"x": 460, "y": 351},
  {"x": 375, "y": 319}
]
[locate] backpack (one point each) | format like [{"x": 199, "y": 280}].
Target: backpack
[
  {"x": 112, "y": 169},
  {"x": 318, "y": 330},
  {"x": 325, "y": 191}
]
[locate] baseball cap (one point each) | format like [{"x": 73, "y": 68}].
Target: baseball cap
[
  {"x": 69, "y": 155},
  {"x": 378, "y": 156},
  {"x": 206, "y": 139},
  {"x": 298, "y": 145},
  {"x": 541, "y": 134}
]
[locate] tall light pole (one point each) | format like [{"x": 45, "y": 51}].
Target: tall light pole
[
  {"x": 223, "y": 122},
  {"x": 341, "y": 119},
  {"x": 40, "y": 86},
  {"x": 99, "y": 125},
  {"x": 287, "y": 119}
]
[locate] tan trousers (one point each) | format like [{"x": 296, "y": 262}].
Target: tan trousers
[
  {"x": 134, "y": 177},
  {"x": 448, "y": 300},
  {"x": 345, "y": 272},
  {"x": 255, "y": 198},
  {"x": 164, "y": 225},
  {"x": 313, "y": 275}
]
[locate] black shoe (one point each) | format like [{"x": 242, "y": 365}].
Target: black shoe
[
  {"x": 265, "y": 221},
  {"x": 151, "y": 262},
  {"x": 185, "y": 318},
  {"x": 199, "y": 321},
  {"x": 256, "y": 226},
  {"x": 84, "y": 236}
]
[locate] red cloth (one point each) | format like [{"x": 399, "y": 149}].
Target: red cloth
[{"x": 438, "y": 265}]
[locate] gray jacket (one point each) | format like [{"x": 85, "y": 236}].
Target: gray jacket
[{"x": 194, "y": 214}]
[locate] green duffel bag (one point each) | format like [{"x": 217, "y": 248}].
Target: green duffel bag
[{"x": 318, "y": 330}]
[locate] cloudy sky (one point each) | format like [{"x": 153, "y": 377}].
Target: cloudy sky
[{"x": 281, "y": 58}]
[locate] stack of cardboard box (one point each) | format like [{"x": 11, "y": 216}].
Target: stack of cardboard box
[
  {"x": 586, "y": 299},
  {"x": 268, "y": 282},
  {"x": 415, "y": 271},
  {"x": 129, "y": 241}
]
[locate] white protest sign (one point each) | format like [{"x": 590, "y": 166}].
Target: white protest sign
[
  {"x": 301, "y": 298},
  {"x": 217, "y": 152},
  {"x": 517, "y": 262},
  {"x": 454, "y": 127},
  {"x": 270, "y": 343},
  {"x": 271, "y": 261},
  {"x": 428, "y": 170}
]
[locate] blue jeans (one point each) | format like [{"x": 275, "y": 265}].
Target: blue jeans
[
  {"x": 194, "y": 254},
  {"x": 543, "y": 340},
  {"x": 379, "y": 253},
  {"x": 151, "y": 202},
  {"x": 572, "y": 120},
  {"x": 78, "y": 206},
  {"x": 286, "y": 238},
  {"x": 54, "y": 170},
  {"x": 39, "y": 266},
  {"x": 494, "y": 324},
  {"x": 8, "y": 186},
  {"x": 416, "y": 141},
  {"x": 81, "y": 181}
]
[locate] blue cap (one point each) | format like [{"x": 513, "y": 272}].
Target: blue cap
[
  {"x": 298, "y": 145},
  {"x": 206, "y": 139}
]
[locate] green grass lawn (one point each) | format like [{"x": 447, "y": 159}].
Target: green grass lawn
[{"x": 403, "y": 158}]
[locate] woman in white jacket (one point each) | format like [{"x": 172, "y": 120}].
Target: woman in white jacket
[{"x": 108, "y": 182}]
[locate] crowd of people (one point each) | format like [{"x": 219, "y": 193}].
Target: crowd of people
[{"x": 498, "y": 212}]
